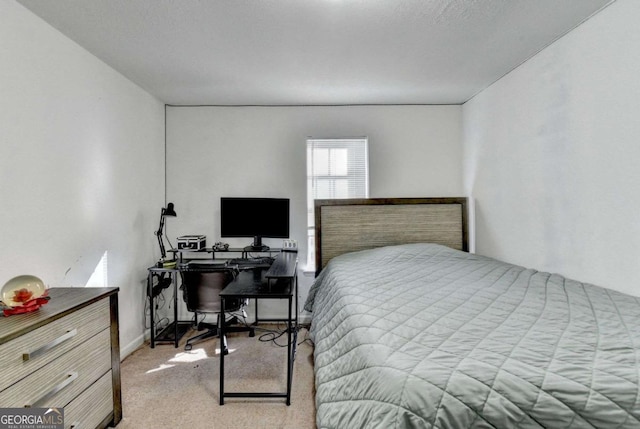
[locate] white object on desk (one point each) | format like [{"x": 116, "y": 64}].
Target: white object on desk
[
  {"x": 192, "y": 242},
  {"x": 290, "y": 245}
]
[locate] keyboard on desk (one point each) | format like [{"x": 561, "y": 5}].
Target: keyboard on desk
[{"x": 250, "y": 263}]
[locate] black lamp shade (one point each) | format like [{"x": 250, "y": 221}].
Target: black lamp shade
[{"x": 169, "y": 211}]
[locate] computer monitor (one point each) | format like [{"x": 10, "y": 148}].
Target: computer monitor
[{"x": 254, "y": 217}]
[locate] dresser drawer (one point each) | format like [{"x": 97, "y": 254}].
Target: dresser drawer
[
  {"x": 35, "y": 349},
  {"x": 90, "y": 409},
  {"x": 57, "y": 383}
]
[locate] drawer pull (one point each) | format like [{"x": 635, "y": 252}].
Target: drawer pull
[
  {"x": 58, "y": 387},
  {"x": 70, "y": 334}
]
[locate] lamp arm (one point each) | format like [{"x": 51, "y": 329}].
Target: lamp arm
[{"x": 159, "y": 234}]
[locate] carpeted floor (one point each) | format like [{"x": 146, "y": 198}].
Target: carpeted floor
[{"x": 166, "y": 387}]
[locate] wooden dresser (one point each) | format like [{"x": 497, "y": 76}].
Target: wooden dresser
[{"x": 65, "y": 354}]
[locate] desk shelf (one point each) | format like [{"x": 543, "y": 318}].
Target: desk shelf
[{"x": 210, "y": 253}]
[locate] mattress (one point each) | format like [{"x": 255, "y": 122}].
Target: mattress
[{"x": 424, "y": 336}]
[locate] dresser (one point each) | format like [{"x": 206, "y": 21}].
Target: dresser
[{"x": 65, "y": 354}]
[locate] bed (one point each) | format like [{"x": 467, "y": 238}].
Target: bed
[{"x": 411, "y": 331}]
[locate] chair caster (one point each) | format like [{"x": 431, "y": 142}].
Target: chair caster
[
  {"x": 252, "y": 333},
  {"x": 187, "y": 347},
  {"x": 226, "y": 351}
]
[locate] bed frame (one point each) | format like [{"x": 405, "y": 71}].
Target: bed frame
[{"x": 348, "y": 225}]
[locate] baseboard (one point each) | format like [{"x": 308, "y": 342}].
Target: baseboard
[
  {"x": 132, "y": 346},
  {"x": 304, "y": 318}
]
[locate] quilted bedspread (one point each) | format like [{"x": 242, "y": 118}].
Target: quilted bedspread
[{"x": 423, "y": 336}]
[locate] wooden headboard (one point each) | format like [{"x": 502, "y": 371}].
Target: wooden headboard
[{"x": 350, "y": 225}]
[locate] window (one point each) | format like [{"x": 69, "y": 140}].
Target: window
[{"x": 336, "y": 168}]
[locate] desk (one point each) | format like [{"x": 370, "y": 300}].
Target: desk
[
  {"x": 278, "y": 282},
  {"x": 176, "y": 329}
]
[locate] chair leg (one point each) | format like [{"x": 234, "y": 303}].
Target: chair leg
[
  {"x": 233, "y": 320},
  {"x": 212, "y": 331},
  {"x": 249, "y": 329}
]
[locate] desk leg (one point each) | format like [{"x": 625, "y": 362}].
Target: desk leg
[
  {"x": 295, "y": 290},
  {"x": 289, "y": 360},
  {"x": 174, "y": 279},
  {"x": 221, "y": 344},
  {"x": 151, "y": 309},
  {"x": 255, "y": 322}
]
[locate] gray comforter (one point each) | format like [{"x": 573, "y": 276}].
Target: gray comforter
[{"x": 423, "y": 336}]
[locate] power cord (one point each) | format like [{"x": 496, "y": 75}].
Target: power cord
[
  {"x": 159, "y": 301},
  {"x": 162, "y": 323},
  {"x": 306, "y": 338},
  {"x": 272, "y": 335}
]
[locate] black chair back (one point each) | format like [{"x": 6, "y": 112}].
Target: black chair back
[{"x": 202, "y": 286}]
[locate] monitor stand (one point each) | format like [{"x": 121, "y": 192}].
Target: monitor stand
[{"x": 257, "y": 245}]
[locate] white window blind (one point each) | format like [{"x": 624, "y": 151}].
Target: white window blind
[{"x": 336, "y": 168}]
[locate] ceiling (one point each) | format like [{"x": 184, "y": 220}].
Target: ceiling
[{"x": 314, "y": 52}]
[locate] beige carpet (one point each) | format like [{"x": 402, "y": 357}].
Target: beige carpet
[{"x": 167, "y": 387}]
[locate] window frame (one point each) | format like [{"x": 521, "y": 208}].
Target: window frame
[{"x": 357, "y": 179}]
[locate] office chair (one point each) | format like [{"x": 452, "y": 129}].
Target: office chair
[{"x": 201, "y": 288}]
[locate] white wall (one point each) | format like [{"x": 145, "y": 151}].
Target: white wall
[
  {"x": 81, "y": 167},
  {"x": 551, "y": 156},
  {"x": 414, "y": 151}
]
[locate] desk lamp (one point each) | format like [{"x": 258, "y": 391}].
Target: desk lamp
[{"x": 168, "y": 211}]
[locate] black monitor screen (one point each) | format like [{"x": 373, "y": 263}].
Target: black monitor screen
[{"x": 254, "y": 217}]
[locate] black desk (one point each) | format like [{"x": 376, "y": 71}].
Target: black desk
[{"x": 278, "y": 282}]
